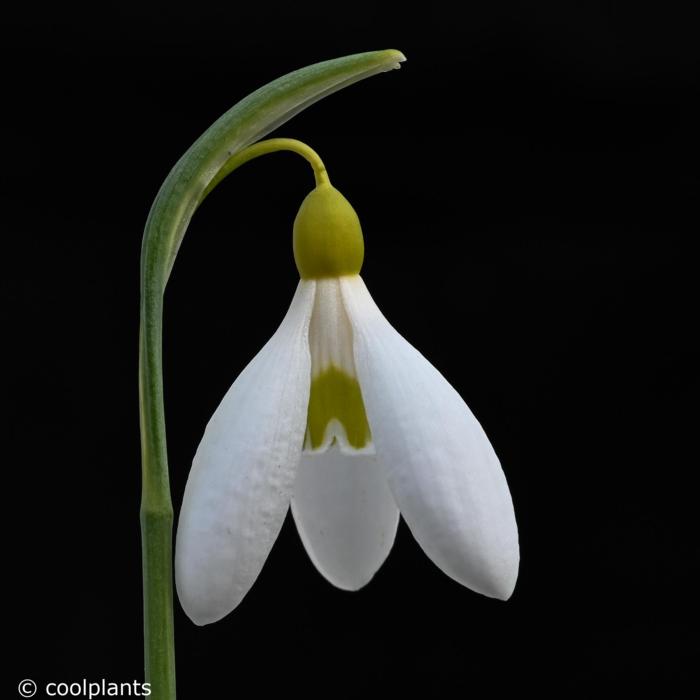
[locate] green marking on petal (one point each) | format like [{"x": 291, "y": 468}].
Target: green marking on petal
[{"x": 336, "y": 395}]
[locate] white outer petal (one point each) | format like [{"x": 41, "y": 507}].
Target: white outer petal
[
  {"x": 345, "y": 515},
  {"x": 240, "y": 484},
  {"x": 441, "y": 468}
]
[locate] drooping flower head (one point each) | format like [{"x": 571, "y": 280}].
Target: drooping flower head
[{"x": 342, "y": 418}]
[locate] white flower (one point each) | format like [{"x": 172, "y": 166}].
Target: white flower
[{"x": 341, "y": 417}]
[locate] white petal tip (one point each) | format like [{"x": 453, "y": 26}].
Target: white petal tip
[
  {"x": 351, "y": 586},
  {"x": 497, "y": 589},
  {"x": 503, "y": 590},
  {"x": 491, "y": 577},
  {"x": 201, "y": 621},
  {"x": 341, "y": 577},
  {"x": 498, "y": 583},
  {"x": 200, "y": 610}
]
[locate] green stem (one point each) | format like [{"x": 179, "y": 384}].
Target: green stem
[
  {"x": 214, "y": 155},
  {"x": 156, "y": 508}
]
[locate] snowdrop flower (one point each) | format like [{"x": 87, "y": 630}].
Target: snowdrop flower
[{"x": 341, "y": 417}]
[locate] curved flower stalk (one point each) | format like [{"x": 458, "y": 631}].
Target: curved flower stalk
[
  {"x": 209, "y": 159},
  {"x": 341, "y": 417}
]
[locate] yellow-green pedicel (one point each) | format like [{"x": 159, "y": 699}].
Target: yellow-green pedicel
[{"x": 328, "y": 243}]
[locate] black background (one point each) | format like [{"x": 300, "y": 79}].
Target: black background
[{"x": 527, "y": 184}]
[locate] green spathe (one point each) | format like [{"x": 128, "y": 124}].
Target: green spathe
[
  {"x": 336, "y": 395},
  {"x": 212, "y": 157},
  {"x": 327, "y": 235}
]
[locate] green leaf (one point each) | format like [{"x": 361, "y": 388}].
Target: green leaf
[
  {"x": 250, "y": 120},
  {"x": 180, "y": 195}
]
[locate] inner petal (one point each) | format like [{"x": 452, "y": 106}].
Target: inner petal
[
  {"x": 345, "y": 515},
  {"x": 336, "y": 410}
]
